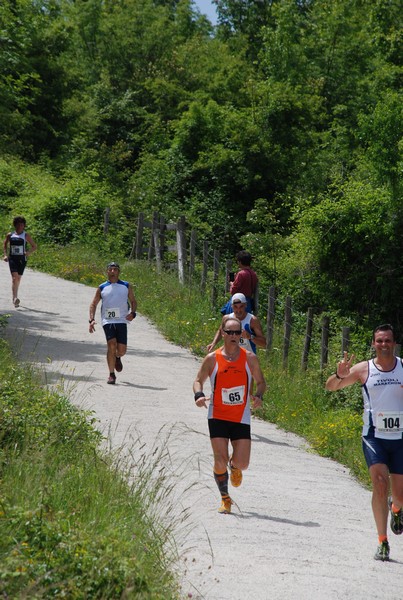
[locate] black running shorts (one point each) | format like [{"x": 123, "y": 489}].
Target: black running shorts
[{"x": 228, "y": 429}]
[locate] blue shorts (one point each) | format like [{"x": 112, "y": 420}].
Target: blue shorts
[
  {"x": 116, "y": 331},
  {"x": 386, "y": 452},
  {"x": 228, "y": 429}
]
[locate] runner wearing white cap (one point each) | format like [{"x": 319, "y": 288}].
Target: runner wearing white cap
[{"x": 252, "y": 333}]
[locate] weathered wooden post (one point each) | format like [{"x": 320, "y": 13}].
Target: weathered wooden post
[
  {"x": 308, "y": 337},
  {"x": 162, "y": 227},
  {"x": 270, "y": 317},
  {"x": 138, "y": 243},
  {"x": 228, "y": 267},
  {"x": 256, "y": 299},
  {"x": 324, "y": 353},
  {"x": 181, "y": 248},
  {"x": 192, "y": 253},
  {"x": 154, "y": 226},
  {"x": 156, "y": 234},
  {"x": 287, "y": 331},
  {"x": 203, "y": 281}
]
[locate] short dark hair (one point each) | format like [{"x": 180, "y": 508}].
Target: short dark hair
[
  {"x": 244, "y": 257},
  {"x": 384, "y": 327},
  {"x": 19, "y": 219}
]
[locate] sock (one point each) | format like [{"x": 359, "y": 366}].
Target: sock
[
  {"x": 394, "y": 509},
  {"x": 382, "y": 538},
  {"x": 221, "y": 480}
]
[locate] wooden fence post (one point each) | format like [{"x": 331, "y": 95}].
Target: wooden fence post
[
  {"x": 228, "y": 267},
  {"x": 256, "y": 299},
  {"x": 270, "y": 317},
  {"x": 162, "y": 229},
  {"x": 192, "y": 253},
  {"x": 157, "y": 246},
  {"x": 154, "y": 226},
  {"x": 138, "y": 244},
  {"x": 308, "y": 337},
  {"x": 216, "y": 269},
  {"x": 181, "y": 248},
  {"x": 203, "y": 281},
  {"x": 324, "y": 353},
  {"x": 287, "y": 331}
]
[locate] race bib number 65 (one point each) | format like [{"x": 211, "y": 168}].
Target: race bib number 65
[{"x": 233, "y": 396}]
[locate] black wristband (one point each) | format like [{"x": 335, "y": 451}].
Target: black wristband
[
  {"x": 134, "y": 314},
  {"x": 338, "y": 376},
  {"x": 199, "y": 395}
]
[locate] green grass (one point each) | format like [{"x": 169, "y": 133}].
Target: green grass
[
  {"x": 76, "y": 522},
  {"x": 79, "y": 523},
  {"x": 296, "y": 400}
]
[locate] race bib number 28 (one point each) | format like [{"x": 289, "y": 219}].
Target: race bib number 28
[{"x": 233, "y": 396}]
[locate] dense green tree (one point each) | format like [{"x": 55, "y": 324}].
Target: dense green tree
[
  {"x": 279, "y": 129},
  {"x": 32, "y": 81},
  {"x": 343, "y": 254}
]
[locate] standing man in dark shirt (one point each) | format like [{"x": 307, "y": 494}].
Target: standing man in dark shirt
[{"x": 246, "y": 280}]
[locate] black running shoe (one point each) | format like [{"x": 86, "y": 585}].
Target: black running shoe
[
  {"x": 382, "y": 552},
  {"x": 112, "y": 378},
  {"x": 118, "y": 364},
  {"x": 396, "y": 519}
]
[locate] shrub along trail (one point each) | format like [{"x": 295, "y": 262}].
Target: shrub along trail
[{"x": 302, "y": 527}]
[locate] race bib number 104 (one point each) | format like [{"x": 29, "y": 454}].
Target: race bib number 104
[{"x": 389, "y": 421}]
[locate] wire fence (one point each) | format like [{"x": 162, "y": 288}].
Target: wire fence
[{"x": 176, "y": 246}]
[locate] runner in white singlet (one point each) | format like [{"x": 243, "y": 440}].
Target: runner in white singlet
[{"x": 382, "y": 434}]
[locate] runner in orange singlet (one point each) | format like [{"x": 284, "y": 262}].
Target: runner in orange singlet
[{"x": 231, "y": 370}]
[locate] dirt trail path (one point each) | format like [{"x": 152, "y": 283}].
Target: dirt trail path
[{"x": 303, "y": 528}]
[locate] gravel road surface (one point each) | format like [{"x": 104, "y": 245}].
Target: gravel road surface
[{"x": 302, "y": 528}]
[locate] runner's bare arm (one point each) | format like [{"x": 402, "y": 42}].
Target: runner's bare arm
[
  {"x": 346, "y": 374},
  {"x": 133, "y": 304},
  {"x": 5, "y": 244},
  {"x": 204, "y": 371},
  {"x": 215, "y": 341},
  {"x": 32, "y": 245},
  {"x": 93, "y": 307},
  {"x": 258, "y": 336}
]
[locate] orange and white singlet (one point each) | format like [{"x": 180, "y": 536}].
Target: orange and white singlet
[{"x": 230, "y": 384}]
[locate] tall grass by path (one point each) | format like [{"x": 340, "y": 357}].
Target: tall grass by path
[
  {"x": 296, "y": 400},
  {"x": 75, "y": 522}
]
